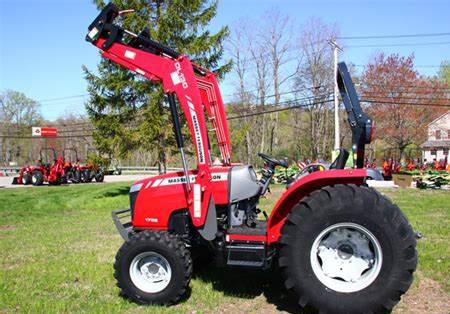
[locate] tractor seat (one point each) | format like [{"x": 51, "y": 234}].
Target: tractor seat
[{"x": 341, "y": 159}]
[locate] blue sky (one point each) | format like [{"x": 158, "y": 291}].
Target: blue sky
[{"x": 42, "y": 43}]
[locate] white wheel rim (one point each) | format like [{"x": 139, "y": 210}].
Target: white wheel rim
[
  {"x": 34, "y": 179},
  {"x": 150, "y": 272},
  {"x": 346, "y": 257}
]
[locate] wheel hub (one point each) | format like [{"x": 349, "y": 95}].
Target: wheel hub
[
  {"x": 346, "y": 257},
  {"x": 345, "y": 251},
  {"x": 150, "y": 272}
]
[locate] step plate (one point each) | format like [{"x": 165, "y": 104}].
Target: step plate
[{"x": 248, "y": 255}]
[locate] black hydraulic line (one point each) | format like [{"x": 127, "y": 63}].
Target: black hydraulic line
[
  {"x": 175, "y": 120},
  {"x": 179, "y": 136}
]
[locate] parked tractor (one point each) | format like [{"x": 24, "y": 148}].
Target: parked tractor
[
  {"x": 45, "y": 170},
  {"x": 72, "y": 167},
  {"x": 93, "y": 169},
  {"x": 342, "y": 247}
]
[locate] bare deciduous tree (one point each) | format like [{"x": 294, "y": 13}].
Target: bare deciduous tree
[{"x": 315, "y": 78}]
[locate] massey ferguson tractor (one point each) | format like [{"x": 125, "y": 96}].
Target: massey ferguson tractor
[
  {"x": 341, "y": 246},
  {"x": 44, "y": 171}
]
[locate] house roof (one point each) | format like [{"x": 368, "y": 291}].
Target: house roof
[
  {"x": 438, "y": 118},
  {"x": 434, "y": 144}
]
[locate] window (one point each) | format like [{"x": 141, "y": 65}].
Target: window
[
  {"x": 445, "y": 151},
  {"x": 438, "y": 134},
  {"x": 433, "y": 152}
]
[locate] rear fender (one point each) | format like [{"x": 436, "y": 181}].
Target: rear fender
[{"x": 303, "y": 187}]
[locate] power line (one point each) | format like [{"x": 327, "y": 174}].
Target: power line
[
  {"x": 267, "y": 112},
  {"x": 404, "y": 97},
  {"x": 394, "y": 36},
  {"x": 282, "y": 93},
  {"x": 404, "y": 103},
  {"x": 408, "y": 86},
  {"x": 330, "y": 100},
  {"x": 279, "y": 109},
  {"x": 416, "y": 66},
  {"x": 400, "y": 45},
  {"x": 61, "y": 98}
]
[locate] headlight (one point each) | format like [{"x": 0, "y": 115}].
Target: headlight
[{"x": 135, "y": 187}]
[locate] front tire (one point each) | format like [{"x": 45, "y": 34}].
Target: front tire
[
  {"x": 26, "y": 178},
  {"x": 347, "y": 249},
  {"x": 153, "y": 268}
]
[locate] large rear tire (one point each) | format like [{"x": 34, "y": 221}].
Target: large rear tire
[
  {"x": 86, "y": 176},
  {"x": 76, "y": 178},
  {"x": 153, "y": 268},
  {"x": 347, "y": 249},
  {"x": 37, "y": 178}
]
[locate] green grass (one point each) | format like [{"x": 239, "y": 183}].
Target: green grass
[{"x": 58, "y": 245}]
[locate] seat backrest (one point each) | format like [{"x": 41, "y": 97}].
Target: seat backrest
[{"x": 341, "y": 159}]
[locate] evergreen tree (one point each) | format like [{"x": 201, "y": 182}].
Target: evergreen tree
[{"x": 127, "y": 110}]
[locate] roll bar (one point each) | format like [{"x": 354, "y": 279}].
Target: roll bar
[{"x": 361, "y": 124}]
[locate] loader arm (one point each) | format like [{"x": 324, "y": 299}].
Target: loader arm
[{"x": 195, "y": 88}]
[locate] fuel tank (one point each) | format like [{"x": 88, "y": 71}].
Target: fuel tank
[{"x": 243, "y": 183}]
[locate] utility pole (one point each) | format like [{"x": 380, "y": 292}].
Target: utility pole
[{"x": 337, "y": 138}]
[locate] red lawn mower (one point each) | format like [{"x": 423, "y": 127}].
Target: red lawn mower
[{"x": 342, "y": 247}]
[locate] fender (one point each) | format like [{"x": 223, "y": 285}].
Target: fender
[{"x": 303, "y": 187}]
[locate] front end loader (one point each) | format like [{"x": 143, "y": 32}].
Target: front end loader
[{"x": 342, "y": 247}]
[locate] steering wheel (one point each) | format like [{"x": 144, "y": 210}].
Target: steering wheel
[{"x": 272, "y": 161}]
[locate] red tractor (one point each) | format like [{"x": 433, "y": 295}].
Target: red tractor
[
  {"x": 44, "y": 170},
  {"x": 50, "y": 172},
  {"x": 72, "y": 167},
  {"x": 342, "y": 247}
]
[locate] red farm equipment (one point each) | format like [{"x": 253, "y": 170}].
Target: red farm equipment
[
  {"x": 72, "y": 167},
  {"x": 341, "y": 246},
  {"x": 45, "y": 170},
  {"x": 92, "y": 170}
]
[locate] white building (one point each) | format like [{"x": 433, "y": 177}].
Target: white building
[{"x": 438, "y": 143}]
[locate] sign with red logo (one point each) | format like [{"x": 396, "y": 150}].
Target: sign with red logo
[{"x": 44, "y": 131}]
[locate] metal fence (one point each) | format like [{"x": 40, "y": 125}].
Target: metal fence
[{"x": 10, "y": 171}]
